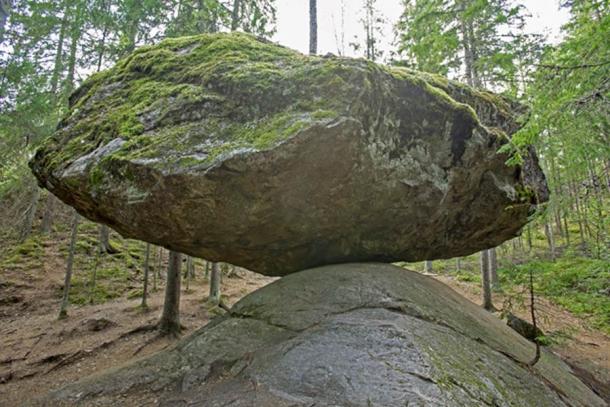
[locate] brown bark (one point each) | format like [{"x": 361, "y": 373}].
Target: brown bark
[
  {"x": 170, "y": 319},
  {"x": 63, "y": 310},
  {"x": 146, "y": 272}
]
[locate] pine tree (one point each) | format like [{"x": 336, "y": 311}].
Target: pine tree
[{"x": 477, "y": 38}]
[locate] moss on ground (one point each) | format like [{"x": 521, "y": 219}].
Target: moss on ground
[
  {"x": 117, "y": 274},
  {"x": 25, "y": 255}
]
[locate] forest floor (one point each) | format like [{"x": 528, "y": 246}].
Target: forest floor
[
  {"x": 571, "y": 336},
  {"x": 39, "y": 353}
]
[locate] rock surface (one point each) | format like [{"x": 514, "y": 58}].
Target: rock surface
[
  {"x": 234, "y": 149},
  {"x": 347, "y": 335}
]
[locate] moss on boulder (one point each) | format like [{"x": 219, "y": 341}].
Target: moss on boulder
[{"x": 235, "y": 149}]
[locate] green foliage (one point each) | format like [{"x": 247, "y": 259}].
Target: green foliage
[
  {"x": 425, "y": 43},
  {"x": 579, "y": 284},
  {"x": 570, "y": 121},
  {"x": 372, "y": 21},
  {"x": 24, "y": 256},
  {"x": 116, "y": 274},
  {"x": 482, "y": 38},
  {"x": 210, "y": 16},
  {"x": 46, "y": 44}
]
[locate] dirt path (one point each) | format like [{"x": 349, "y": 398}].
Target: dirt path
[{"x": 39, "y": 353}]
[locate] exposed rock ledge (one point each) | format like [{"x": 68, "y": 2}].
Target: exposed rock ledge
[{"x": 355, "y": 335}]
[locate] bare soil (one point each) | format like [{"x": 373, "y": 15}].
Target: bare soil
[{"x": 39, "y": 353}]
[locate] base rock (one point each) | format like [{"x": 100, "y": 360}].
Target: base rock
[{"x": 356, "y": 335}]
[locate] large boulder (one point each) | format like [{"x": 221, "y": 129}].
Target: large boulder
[
  {"x": 238, "y": 150},
  {"x": 357, "y": 335}
]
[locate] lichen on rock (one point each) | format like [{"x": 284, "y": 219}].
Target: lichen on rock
[{"x": 230, "y": 148}]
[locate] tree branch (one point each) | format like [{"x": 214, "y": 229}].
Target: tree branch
[{"x": 572, "y": 67}]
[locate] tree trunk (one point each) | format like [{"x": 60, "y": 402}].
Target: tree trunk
[
  {"x": 428, "y": 266},
  {"x": 5, "y": 8},
  {"x": 188, "y": 272},
  {"x": 558, "y": 225},
  {"x": 476, "y": 78},
  {"x": 214, "y": 297},
  {"x": 190, "y": 268},
  {"x": 208, "y": 266},
  {"x": 458, "y": 264},
  {"x": 75, "y": 36},
  {"x": 58, "y": 65},
  {"x": 145, "y": 282},
  {"x": 528, "y": 231},
  {"x": 598, "y": 218},
  {"x": 63, "y": 310},
  {"x": 102, "y": 45},
  {"x": 487, "y": 304},
  {"x": 30, "y": 215},
  {"x": 170, "y": 319},
  {"x": 558, "y": 193},
  {"x": 606, "y": 172},
  {"x": 49, "y": 212},
  {"x": 93, "y": 282},
  {"x": 548, "y": 231},
  {"x": 155, "y": 271},
  {"x": 104, "y": 240},
  {"x": 159, "y": 273},
  {"x": 565, "y": 228},
  {"x": 468, "y": 59},
  {"x": 235, "y": 15},
  {"x": 313, "y": 27},
  {"x": 493, "y": 269},
  {"x": 576, "y": 199}
]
